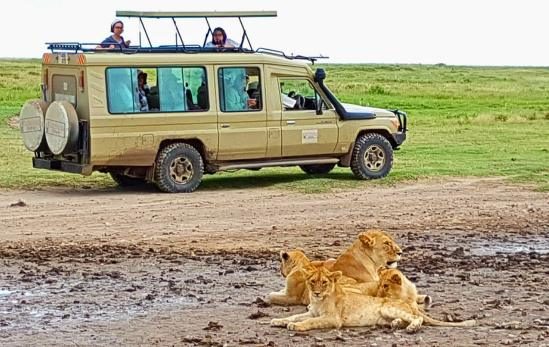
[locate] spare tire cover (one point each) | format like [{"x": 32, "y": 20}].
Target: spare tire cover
[
  {"x": 61, "y": 127},
  {"x": 31, "y": 124}
]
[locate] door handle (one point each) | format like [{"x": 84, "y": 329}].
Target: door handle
[
  {"x": 290, "y": 122},
  {"x": 225, "y": 125}
]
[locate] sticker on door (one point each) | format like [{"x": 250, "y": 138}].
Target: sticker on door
[{"x": 309, "y": 136}]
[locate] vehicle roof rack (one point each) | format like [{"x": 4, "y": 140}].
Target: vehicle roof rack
[
  {"x": 312, "y": 59},
  {"x": 180, "y": 46}
]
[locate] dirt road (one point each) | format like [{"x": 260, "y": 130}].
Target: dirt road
[{"x": 114, "y": 267}]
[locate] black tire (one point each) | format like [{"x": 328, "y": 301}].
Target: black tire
[
  {"x": 317, "y": 169},
  {"x": 372, "y": 157},
  {"x": 127, "y": 181},
  {"x": 179, "y": 168}
]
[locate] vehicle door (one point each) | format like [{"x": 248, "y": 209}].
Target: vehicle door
[
  {"x": 242, "y": 119},
  {"x": 304, "y": 132}
]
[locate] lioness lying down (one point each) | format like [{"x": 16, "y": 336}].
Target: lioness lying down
[
  {"x": 359, "y": 264},
  {"x": 332, "y": 307}
]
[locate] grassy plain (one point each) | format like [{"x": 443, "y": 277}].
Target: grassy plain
[{"x": 463, "y": 121}]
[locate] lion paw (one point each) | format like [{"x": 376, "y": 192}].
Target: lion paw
[
  {"x": 296, "y": 327},
  {"x": 413, "y": 326},
  {"x": 396, "y": 323},
  {"x": 279, "y": 322}
]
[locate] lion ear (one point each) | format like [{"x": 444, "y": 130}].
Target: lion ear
[
  {"x": 366, "y": 240},
  {"x": 308, "y": 271},
  {"x": 284, "y": 255},
  {"x": 396, "y": 279},
  {"x": 335, "y": 276}
]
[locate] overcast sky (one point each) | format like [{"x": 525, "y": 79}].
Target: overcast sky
[{"x": 458, "y": 32}]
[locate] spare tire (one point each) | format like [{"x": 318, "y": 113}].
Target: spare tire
[
  {"x": 61, "y": 124},
  {"x": 31, "y": 124}
]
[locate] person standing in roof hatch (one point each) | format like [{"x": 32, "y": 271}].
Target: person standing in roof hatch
[
  {"x": 115, "y": 40},
  {"x": 220, "y": 39}
]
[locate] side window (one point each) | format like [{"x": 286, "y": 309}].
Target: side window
[
  {"x": 240, "y": 89},
  {"x": 119, "y": 90},
  {"x": 298, "y": 94},
  {"x": 171, "y": 89}
]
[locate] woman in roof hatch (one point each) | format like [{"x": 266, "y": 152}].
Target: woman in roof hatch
[
  {"x": 220, "y": 39},
  {"x": 115, "y": 40}
]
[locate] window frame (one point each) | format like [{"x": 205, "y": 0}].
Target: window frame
[{"x": 221, "y": 88}]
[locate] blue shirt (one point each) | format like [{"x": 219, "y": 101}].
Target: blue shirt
[{"x": 111, "y": 41}]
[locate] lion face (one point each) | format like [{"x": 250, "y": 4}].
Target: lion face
[
  {"x": 292, "y": 260},
  {"x": 321, "y": 282},
  {"x": 383, "y": 250},
  {"x": 390, "y": 284}
]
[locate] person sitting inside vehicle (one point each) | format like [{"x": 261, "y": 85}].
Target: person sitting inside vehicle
[
  {"x": 220, "y": 40},
  {"x": 236, "y": 98},
  {"x": 143, "y": 91},
  {"x": 115, "y": 40}
]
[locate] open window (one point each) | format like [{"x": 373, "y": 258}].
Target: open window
[{"x": 299, "y": 94}]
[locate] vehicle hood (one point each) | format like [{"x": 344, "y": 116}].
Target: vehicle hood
[{"x": 379, "y": 112}]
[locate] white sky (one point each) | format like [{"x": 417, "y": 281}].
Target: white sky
[{"x": 460, "y": 32}]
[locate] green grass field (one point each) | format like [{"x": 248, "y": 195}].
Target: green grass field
[{"x": 463, "y": 121}]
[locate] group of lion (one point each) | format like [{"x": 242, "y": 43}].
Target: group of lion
[{"x": 362, "y": 287}]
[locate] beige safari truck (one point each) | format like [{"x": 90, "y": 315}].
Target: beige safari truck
[{"x": 168, "y": 114}]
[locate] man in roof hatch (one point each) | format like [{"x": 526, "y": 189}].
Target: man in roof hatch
[{"x": 115, "y": 40}]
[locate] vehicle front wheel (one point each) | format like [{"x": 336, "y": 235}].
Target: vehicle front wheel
[
  {"x": 179, "y": 168},
  {"x": 317, "y": 169},
  {"x": 372, "y": 156}
]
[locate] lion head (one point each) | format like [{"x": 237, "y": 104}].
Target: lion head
[
  {"x": 321, "y": 282},
  {"x": 391, "y": 284},
  {"x": 380, "y": 247},
  {"x": 291, "y": 260}
]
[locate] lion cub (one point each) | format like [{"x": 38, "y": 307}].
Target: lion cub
[
  {"x": 292, "y": 268},
  {"x": 393, "y": 285},
  {"x": 333, "y": 307}
]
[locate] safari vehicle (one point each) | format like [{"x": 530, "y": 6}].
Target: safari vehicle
[{"x": 205, "y": 110}]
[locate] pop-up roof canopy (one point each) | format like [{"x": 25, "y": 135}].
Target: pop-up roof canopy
[
  {"x": 180, "y": 45},
  {"x": 205, "y": 15}
]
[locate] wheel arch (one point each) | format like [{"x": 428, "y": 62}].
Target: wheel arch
[{"x": 346, "y": 159}]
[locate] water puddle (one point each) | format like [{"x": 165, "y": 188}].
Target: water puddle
[{"x": 494, "y": 247}]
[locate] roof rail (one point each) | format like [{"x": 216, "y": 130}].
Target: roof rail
[{"x": 312, "y": 59}]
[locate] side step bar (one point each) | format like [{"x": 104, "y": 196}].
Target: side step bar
[{"x": 270, "y": 163}]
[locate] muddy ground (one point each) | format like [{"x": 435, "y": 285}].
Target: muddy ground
[{"x": 115, "y": 267}]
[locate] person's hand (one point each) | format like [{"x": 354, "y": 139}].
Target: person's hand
[
  {"x": 128, "y": 43},
  {"x": 252, "y": 103},
  {"x": 111, "y": 47}
]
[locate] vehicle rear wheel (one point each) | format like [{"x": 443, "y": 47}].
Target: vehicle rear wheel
[
  {"x": 372, "y": 157},
  {"x": 127, "y": 181},
  {"x": 317, "y": 169},
  {"x": 179, "y": 168}
]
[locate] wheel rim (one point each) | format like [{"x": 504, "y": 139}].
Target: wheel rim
[
  {"x": 181, "y": 170},
  {"x": 374, "y": 158}
]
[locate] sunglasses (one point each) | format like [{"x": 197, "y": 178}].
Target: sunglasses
[{"x": 118, "y": 27}]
